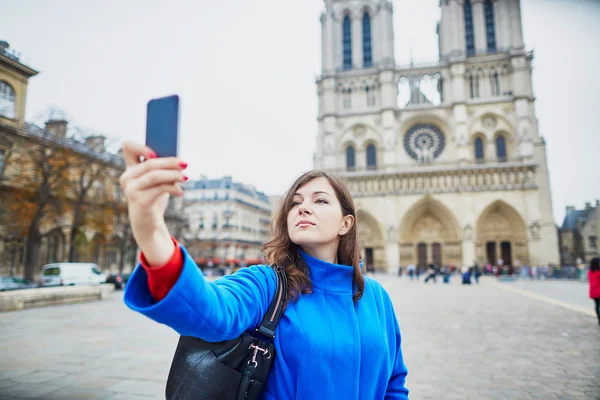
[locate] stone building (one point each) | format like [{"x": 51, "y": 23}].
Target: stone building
[
  {"x": 579, "y": 234},
  {"x": 105, "y": 237},
  {"x": 227, "y": 222},
  {"x": 445, "y": 160}
]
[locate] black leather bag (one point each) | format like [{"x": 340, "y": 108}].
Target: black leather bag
[{"x": 231, "y": 370}]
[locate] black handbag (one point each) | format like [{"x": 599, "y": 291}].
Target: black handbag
[{"x": 230, "y": 370}]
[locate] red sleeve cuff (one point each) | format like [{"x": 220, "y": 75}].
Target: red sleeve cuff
[{"x": 162, "y": 279}]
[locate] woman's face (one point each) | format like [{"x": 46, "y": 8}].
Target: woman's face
[{"x": 315, "y": 219}]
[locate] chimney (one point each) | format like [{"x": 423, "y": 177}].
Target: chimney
[
  {"x": 570, "y": 208},
  {"x": 588, "y": 206},
  {"x": 57, "y": 128},
  {"x": 96, "y": 143},
  {"x": 4, "y": 45}
]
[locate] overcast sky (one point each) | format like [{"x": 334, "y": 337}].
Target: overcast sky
[{"x": 245, "y": 72}]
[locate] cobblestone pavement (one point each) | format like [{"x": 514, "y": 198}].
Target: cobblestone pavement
[
  {"x": 459, "y": 342},
  {"x": 571, "y": 291}
]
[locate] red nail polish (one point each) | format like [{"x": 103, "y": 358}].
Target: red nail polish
[
  {"x": 185, "y": 178},
  {"x": 183, "y": 165},
  {"x": 152, "y": 155}
]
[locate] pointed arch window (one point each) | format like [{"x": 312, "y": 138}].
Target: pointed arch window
[
  {"x": 370, "y": 92},
  {"x": 350, "y": 157},
  {"x": 347, "y": 42},
  {"x": 479, "y": 151},
  {"x": 474, "y": 86},
  {"x": 495, "y": 82},
  {"x": 490, "y": 30},
  {"x": 371, "y": 157},
  {"x": 367, "y": 44},
  {"x": 501, "y": 148},
  {"x": 469, "y": 31},
  {"x": 347, "y": 98}
]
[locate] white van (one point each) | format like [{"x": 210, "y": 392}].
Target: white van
[{"x": 63, "y": 274}]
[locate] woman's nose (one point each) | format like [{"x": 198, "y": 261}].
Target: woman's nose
[{"x": 303, "y": 209}]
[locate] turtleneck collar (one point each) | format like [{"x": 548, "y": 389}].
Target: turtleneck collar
[{"x": 329, "y": 277}]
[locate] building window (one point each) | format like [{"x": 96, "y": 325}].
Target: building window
[
  {"x": 370, "y": 92},
  {"x": 501, "y": 148},
  {"x": 592, "y": 240},
  {"x": 347, "y": 98},
  {"x": 347, "y": 42},
  {"x": 7, "y": 100},
  {"x": 474, "y": 87},
  {"x": 490, "y": 31},
  {"x": 371, "y": 157},
  {"x": 350, "y": 157},
  {"x": 367, "y": 47},
  {"x": 479, "y": 152},
  {"x": 2, "y": 155},
  {"x": 495, "y": 82},
  {"x": 469, "y": 33}
]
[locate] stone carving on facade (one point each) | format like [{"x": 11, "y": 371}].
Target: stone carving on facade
[
  {"x": 535, "y": 228},
  {"x": 489, "y": 122},
  {"x": 359, "y": 131},
  {"x": 468, "y": 232},
  {"x": 392, "y": 234}
]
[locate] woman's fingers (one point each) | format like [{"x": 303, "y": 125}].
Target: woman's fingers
[
  {"x": 136, "y": 171},
  {"x": 132, "y": 152},
  {"x": 147, "y": 198},
  {"x": 156, "y": 178}
]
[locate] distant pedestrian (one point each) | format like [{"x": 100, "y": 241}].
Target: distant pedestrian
[
  {"x": 466, "y": 275},
  {"x": 594, "y": 280},
  {"x": 476, "y": 273},
  {"x": 411, "y": 271},
  {"x": 431, "y": 274}
]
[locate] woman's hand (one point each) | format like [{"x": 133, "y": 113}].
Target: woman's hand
[{"x": 147, "y": 186}]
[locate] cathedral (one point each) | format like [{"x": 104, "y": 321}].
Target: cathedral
[{"x": 445, "y": 160}]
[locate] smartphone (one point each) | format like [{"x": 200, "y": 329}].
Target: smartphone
[{"x": 162, "y": 126}]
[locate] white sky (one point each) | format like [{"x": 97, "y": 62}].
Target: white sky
[{"x": 245, "y": 72}]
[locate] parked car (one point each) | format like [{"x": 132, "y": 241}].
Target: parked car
[
  {"x": 68, "y": 274},
  {"x": 15, "y": 283},
  {"x": 120, "y": 281}
]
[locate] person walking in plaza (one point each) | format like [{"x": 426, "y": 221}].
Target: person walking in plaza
[
  {"x": 338, "y": 337},
  {"x": 594, "y": 282},
  {"x": 431, "y": 274}
]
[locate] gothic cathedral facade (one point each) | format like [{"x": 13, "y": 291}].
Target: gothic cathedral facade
[{"x": 444, "y": 160}]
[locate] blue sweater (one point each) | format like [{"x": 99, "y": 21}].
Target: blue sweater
[{"x": 327, "y": 346}]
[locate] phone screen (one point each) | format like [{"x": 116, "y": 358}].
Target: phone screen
[{"x": 162, "y": 126}]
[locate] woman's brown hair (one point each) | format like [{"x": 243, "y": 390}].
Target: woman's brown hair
[{"x": 282, "y": 251}]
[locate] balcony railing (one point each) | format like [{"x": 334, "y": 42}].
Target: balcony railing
[{"x": 416, "y": 167}]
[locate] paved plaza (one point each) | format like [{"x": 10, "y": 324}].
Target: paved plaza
[{"x": 460, "y": 342}]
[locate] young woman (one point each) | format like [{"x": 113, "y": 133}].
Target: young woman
[
  {"x": 338, "y": 338},
  {"x": 594, "y": 281}
]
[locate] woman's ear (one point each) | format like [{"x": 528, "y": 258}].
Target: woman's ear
[{"x": 347, "y": 223}]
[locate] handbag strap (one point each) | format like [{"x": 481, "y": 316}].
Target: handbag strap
[{"x": 271, "y": 318}]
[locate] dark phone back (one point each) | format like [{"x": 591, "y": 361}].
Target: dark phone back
[{"x": 162, "y": 126}]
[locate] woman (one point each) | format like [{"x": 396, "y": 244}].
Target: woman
[
  {"x": 594, "y": 280},
  {"x": 338, "y": 338}
]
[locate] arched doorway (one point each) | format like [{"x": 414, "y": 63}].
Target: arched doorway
[
  {"x": 371, "y": 241},
  {"x": 429, "y": 235},
  {"x": 501, "y": 236}
]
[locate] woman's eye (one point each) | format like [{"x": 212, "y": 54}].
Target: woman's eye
[
  {"x": 322, "y": 201},
  {"x": 295, "y": 203}
]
